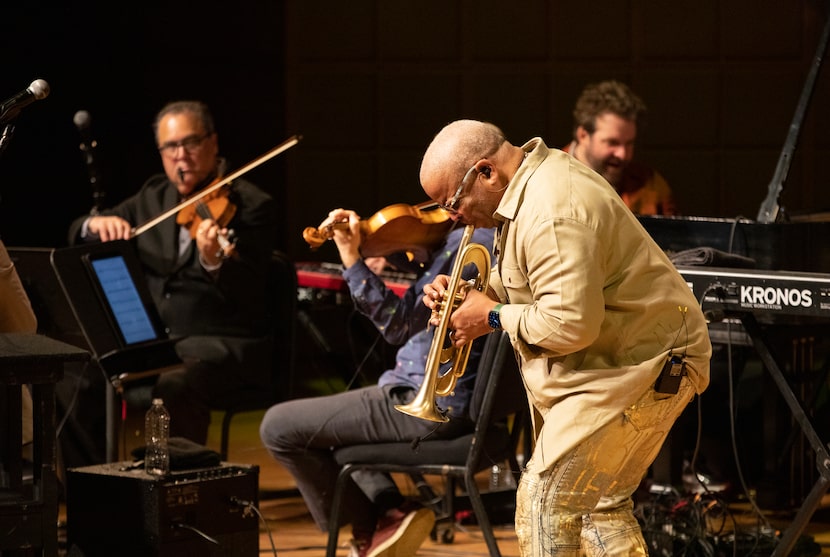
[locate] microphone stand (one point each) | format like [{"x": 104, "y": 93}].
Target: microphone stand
[
  {"x": 770, "y": 208},
  {"x": 98, "y": 193},
  {"x": 6, "y": 137}
]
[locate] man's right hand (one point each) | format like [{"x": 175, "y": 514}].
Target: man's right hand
[{"x": 109, "y": 228}]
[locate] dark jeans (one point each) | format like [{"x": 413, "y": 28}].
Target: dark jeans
[{"x": 301, "y": 435}]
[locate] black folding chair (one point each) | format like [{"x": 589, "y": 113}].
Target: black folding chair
[{"x": 498, "y": 393}]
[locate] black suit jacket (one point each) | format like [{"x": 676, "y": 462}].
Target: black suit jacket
[{"x": 190, "y": 300}]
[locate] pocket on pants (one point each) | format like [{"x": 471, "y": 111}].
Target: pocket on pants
[{"x": 654, "y": 408}]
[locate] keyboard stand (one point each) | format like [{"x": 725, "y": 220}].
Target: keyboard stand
[{"x": 813, "y": 499}]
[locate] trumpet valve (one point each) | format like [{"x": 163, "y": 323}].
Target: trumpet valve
[
  {"x": 461, "y": 291},
  {"x": 440, "y": 306}
]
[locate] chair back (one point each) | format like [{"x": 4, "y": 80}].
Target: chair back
[
  {"x": 497, "y": 394},
  {"x": 498, "y": 367}
]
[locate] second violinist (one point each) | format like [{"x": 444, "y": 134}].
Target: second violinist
[
  {"x": 217, "y": 303},
  {"x": 301, "y": 433}
]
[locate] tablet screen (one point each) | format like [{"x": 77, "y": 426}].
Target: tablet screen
[{"x": 123, "y": 299}]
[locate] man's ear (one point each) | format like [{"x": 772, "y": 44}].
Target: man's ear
[{"x": 581, "y": 134}]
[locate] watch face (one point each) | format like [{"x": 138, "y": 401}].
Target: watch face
[{"x": 493, "y": 320}]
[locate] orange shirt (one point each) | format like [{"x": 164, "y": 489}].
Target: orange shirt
[{"x": 644, "y": 190}]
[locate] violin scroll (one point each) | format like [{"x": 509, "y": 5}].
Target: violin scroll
[{"x": 316, "y": 237}]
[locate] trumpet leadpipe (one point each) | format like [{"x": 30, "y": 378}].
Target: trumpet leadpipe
[{"x": 435, "y": 383}]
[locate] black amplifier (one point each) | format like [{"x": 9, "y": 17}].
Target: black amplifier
[{"x": 113, "y": 509}]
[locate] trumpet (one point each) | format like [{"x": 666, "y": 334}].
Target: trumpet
[{"x": 435, "y": 383}]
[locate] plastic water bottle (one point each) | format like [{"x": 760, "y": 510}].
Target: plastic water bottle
[{"x": 156, "y": 434}]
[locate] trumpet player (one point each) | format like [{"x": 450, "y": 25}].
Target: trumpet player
[
  {"x": 611, "y": 342},
  {"x": 301, "y": 434}
]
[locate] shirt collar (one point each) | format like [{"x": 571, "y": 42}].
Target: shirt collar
[{"x": 510, "y": 202}]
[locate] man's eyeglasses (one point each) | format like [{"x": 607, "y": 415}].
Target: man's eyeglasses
[
  {"x": 190, "y": 144},
  {"x": 452, "y": 202}
]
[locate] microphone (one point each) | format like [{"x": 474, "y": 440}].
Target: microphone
[
  {"x": 9, "y": 110},
  {"x": 83, "y": 121}
]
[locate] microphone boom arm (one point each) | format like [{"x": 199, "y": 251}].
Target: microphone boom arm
[{"x": 769, "y": 210}]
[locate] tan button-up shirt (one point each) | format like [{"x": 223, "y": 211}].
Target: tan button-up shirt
[{"x": 594, "y": 305}]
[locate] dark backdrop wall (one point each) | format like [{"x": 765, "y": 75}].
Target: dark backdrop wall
[
  {"x": 367, "y": 83},
  {"x": 122, "y": 62}
]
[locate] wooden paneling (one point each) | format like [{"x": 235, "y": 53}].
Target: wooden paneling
[{"x": 370, "y": 82}]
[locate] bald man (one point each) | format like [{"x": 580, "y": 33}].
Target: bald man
[{"x": 611, "y": 342}]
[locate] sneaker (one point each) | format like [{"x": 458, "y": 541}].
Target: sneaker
[
  {"x": 400, "y": 533},
  {"x": 359, "y": 548}
]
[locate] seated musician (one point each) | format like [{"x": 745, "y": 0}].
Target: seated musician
[
  {"x": 607, "y": 117},
  {"x": 301, "y": 434},
  {"x": 208, "y": 288}
]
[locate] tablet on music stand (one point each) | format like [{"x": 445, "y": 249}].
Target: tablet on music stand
[
  {"x": 106, "y": 288},
  {"x": 119, "y": 295}
]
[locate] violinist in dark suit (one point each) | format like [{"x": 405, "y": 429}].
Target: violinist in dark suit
[{"x": 207, "y": 275}]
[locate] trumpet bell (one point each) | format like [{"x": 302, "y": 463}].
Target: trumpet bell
[{"x": 424, "y": 408}]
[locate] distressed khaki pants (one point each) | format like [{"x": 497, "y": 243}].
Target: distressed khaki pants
[{"x": 582, "y": 505}]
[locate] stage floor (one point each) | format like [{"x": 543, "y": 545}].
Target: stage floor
[{"x": 286, "y": 528}]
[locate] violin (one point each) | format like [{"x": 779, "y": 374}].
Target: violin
[
  {"x": 413, "y": 229},
  {"x": 215, "y": 206}
]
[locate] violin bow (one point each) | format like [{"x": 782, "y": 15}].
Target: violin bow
[{"x": 284, "y": 146}]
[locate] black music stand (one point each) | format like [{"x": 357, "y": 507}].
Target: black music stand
[
  {"x": 126, "y": 353},
  {"x": 55, "y": 317}
]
